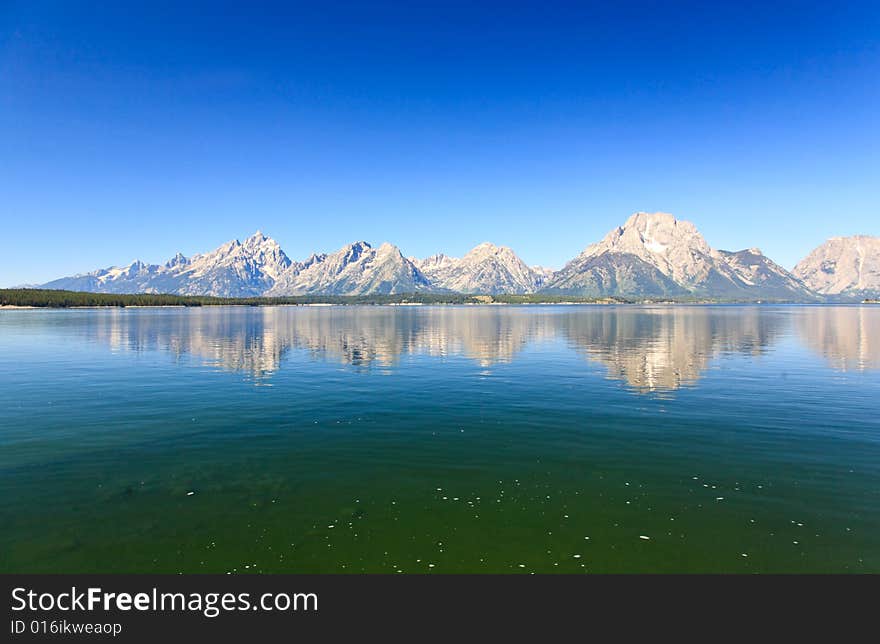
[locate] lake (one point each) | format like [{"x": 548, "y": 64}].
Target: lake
[{"x": 513, "y": 439}]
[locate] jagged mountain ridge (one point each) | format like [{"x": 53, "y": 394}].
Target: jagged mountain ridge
[
  {"x": 234, "y": 269},
  {"x": 650, "y": 255},
  {"x": 356, "y": 269}
]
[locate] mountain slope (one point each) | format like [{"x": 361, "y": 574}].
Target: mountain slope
[
  {"x": 542, "y": 275},
  {"x": 434, "y": 264},
  {"x": 133, "y": 278},
  {"x": 234, "y": 269},
  {"x": 765, "y": 277},
  {"x": 612, "y": 273},
  {"x": 487, "y": 268},
  {"x": 650, "y": 255},
  {"x": 676, "y": 249},
  {"x": 848, "y": 267},
  {"x": 356, "y": 269},
  {"x": 655, "y": 254}
]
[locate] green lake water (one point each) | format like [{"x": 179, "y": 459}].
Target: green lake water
[{"x": 562, "y": 439}]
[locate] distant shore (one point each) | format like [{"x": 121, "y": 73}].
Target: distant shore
[
  {"x": 57, "y": 299},
  {"x": 39, "y": 298}
]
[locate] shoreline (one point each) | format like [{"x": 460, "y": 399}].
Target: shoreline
[
  {"x": 12, "y": 299},
  {"x": 14, "y": 307}
]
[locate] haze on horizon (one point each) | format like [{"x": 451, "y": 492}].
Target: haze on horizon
[{"x": 140, "y": 132}]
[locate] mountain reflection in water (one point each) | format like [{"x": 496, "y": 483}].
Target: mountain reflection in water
[{"x": 648, "y": 348}]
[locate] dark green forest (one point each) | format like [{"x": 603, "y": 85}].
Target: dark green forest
[{"x": 66, "y": 299}]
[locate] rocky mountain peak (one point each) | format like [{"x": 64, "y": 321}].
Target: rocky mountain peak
[
  {"x": 658, "y": 233},
  {"x": 256, "y": 240},
  {"x": 433, "y": 263},
  {"x": 178, "y": 260},
  {"x": 486, "y": 268},
  {"x": 655, "y": 254},
  {"x": 352, "y": 252},
  {"x": 672, "y": 246},
  {"x": 387, "y": 248},
  {"x": 355, "y": 269},
  {"x": 487, "y": 249}
]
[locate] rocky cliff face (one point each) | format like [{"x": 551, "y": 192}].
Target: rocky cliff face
[{"x": 847, "y": 267}]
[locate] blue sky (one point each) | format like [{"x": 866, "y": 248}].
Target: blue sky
[{"x": 139, "y": 131}]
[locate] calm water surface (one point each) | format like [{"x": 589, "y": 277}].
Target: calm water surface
[{"x": 563, "y": 439}]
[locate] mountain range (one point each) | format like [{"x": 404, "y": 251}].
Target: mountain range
[{"x": 651, "y": 255}]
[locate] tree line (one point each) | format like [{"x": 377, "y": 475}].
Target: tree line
[{"x": 45, "y": 298}]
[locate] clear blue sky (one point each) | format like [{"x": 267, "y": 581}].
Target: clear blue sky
[{"x": 137, "y": 131}]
